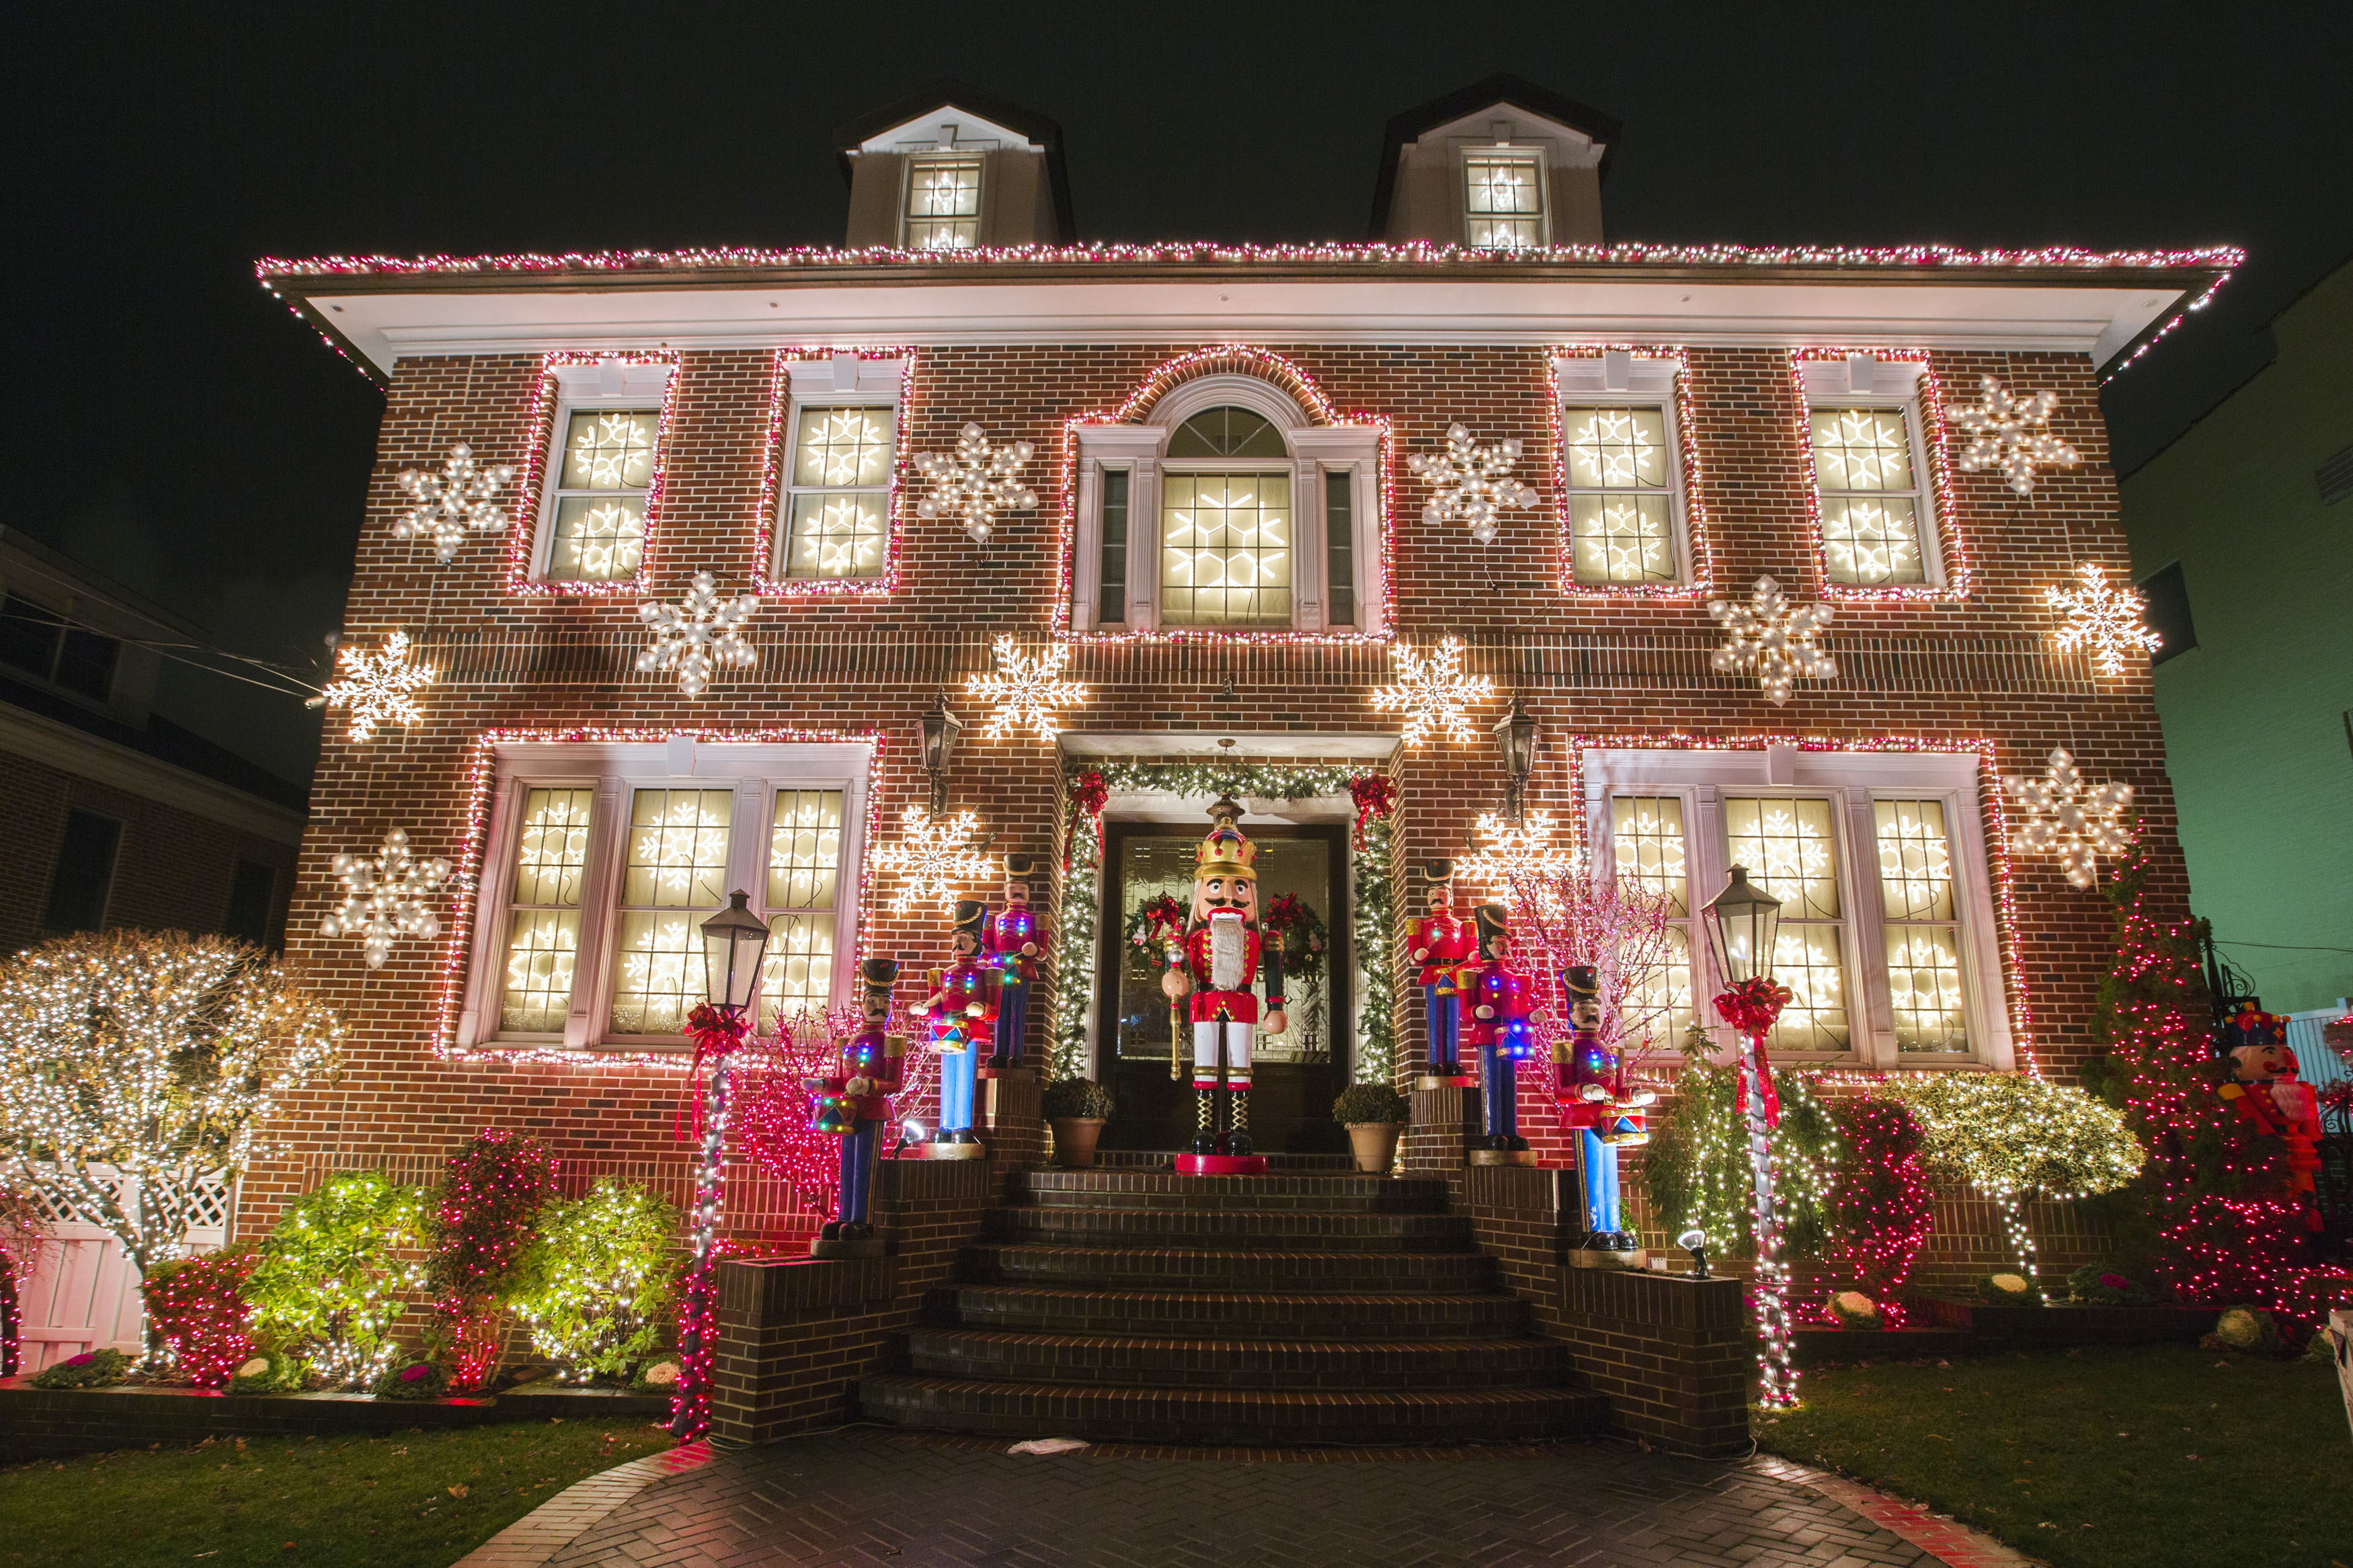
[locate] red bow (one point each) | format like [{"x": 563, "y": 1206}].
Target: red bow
[
  {"x": 1375, "y": 796},
  {"x": 718, "y": 1034},
  {"x": 1750, "y": 1007},
  {"x": 1090, "y": 793}
]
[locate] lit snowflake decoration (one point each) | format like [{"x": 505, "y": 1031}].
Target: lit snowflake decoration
[
  {"x": 2062, "y": 817},
  {"x": 2012, "y": 434},
  {"x": 387, "y": 896},
  {"x": 1513, "y": 857},
  {"x": 1773, "y": 639},
  {"x": 1469, "y": 483},
  {"x": 1025, "y": 689},
  {"x": 978, "y": 483},
  {"x": 1433, "y": 692},
  {"x": 2104, "y": 620},
  {"x": 937, "y": 859},
  {"x": 446, "y": 506},
  {"x": 375, "y": 686},
  {"x": 699, "y": 636}
]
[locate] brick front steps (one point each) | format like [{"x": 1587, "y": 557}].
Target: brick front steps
[{"x": 1301, "y": 1306}]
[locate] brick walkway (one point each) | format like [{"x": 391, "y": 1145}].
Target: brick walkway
[{"x": 872, "y": 1498}]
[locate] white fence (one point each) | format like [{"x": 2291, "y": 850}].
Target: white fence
[{"x": 84, "y": 1293}]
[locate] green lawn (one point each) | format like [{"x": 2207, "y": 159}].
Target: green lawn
[
  {"x": 2142, "y": 1457},
  {"x": 417, "y": 1499}
]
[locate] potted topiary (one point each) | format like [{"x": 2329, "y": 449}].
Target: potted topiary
[
  {"x": 1078, "y": 1107},
  {"x": 1374, "y": 1114}
]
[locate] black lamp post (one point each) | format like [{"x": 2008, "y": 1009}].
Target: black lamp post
[
  {"x": 1516, "y": 738},
  {"x": 941, "y": 728},
  {"x": 1741, "y": 923}
]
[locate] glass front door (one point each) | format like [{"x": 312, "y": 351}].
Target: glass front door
[{"x": 1296, "y": 1075}]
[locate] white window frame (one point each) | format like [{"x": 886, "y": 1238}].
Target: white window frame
[
  {"x": 1521, "y": 151},
  {"x": 1618, "y": 378},
  {"x": 1854, "y": 781},
  {"x": 754, "y": 770},
  {"x": 840, "y": 380},
  {"x": 583, "y": 388},
  {"x": 947, "y": 151},
  {"x": 1140, "y": 450},
  {"x": 1866, "y": 380}
]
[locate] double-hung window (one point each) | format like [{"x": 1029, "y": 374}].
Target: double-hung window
[
  {"x": 1619, "y": 446},
  {"x": 1871, "y": 472},
  {"x": 603, "y": 461},
  {"x": 943, "y": 206},
  {"x": 1228, "y": 513},
  {"x": 1503, "y": 198},
  {"x": 840, "y": 435},
  {"x": 603, "y": 861},
  {"x": 1887, "y": 939}
]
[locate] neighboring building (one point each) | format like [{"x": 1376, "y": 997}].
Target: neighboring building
[
  {"x": 1229, "y": 547},
  {"x": 115, "y": 815},
  {"x": 2239, "y": 534}
]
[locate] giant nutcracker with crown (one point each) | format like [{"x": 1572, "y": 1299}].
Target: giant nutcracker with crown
[
  {"x": 854, "y": 1104},
  {"x": 1223, "y": 957},
  {"x": 960, "y": 1016},
  {"x": 1441, "y": 946}
]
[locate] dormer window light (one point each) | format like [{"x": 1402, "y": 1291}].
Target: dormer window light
[
  {"x": 943, "y": 204},
  {"x": 1503, "y": 197}
]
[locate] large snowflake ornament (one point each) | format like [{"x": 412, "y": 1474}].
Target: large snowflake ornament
[
  {"x": 977, "y": 483},
  {"x": 376, "y": 687},
  {"x": 1025, "y": 690},
  {"x": 2012, "y": 433},
  {"x": 1433, "y": 692},
  {"x": 2103, "y": 620},
  {"x": 1516, "y": 856},
  {"x": 1471, "y": 483},
  {"x": 2062, "y": 817},
  {"x": 934, "y": 859},
  {"x": 447, "y": 506},
  {"x": 699, "y": 636},
  {"x": 1773, "y": 639},
  {"x": 387, "y": 896}
]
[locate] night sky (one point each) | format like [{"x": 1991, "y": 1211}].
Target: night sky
[{"x": 172, "y": 424}]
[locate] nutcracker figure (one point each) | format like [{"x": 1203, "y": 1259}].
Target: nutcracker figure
[
  {"x": 857, "y": 1102},
  {"x": 1442, "y": 945},
  {"x": 1015, "y": 943},
  {"x": 1222, "y": 955},
  {"x": 2265, "y": 1084},
  {"x": 960, "y": 1016},
  {"x": 1591, "y": 1090},
  {"x": 1492, "y": 1004}
]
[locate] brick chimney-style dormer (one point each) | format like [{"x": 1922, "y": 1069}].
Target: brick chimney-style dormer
[
  {"x": 952, "y": 168},
  {"x": 1502, "y": 164}
]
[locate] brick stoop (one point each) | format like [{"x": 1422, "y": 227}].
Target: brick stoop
[{"x": 1132, "y": 1304}]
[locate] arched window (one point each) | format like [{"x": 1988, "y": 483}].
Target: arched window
[{"x": 1227, "y": 510}]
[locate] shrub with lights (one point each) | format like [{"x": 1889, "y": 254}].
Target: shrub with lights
[
  {"x": 23, "y": 1231},
  {"x": 333, "y": 1275},
  {"x": 1696, "y": 1170},
  {"x": 484, "y": 1213},
  {"x": 197, "y": 1305},
  {"x": 595, "y": 1289},
  {"x": 1880, "y": 1214}
]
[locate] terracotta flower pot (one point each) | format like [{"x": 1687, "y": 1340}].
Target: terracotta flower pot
[
  {"x": 1074, "y": 1141},
  {"x": 1376, "y": 1144}
]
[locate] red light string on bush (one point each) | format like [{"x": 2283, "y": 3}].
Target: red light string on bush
[
  {"x": 485, "y": 1212},
  {"x": 198, "y": 1308}
]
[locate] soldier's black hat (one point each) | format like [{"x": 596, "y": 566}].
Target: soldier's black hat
[
  {"x": 971, "y": 916},
  {"x": 1581, "y": 980},
  {"x": 1495, "y": 920}
]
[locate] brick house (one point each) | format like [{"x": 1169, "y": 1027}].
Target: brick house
[{"x": 1692, "y": 418}]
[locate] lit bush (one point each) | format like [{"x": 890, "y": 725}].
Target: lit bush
[
  {"x": 198, "y": 1306},
  {"x": 333, "y": 1272},
  {"x": 595, "y": 1288}
]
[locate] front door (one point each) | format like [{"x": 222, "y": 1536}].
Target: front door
[{"x": 1296, "y": 1075}]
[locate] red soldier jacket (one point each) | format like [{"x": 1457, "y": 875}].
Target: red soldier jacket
[
  {"x": 1494, "y": 987},
  {"x": 1208, "y": 1001},
  {"x": 967, "y": 991},
  {"x": 2300, "y": 1128},
  {"x": 1015, "y": 928},
  {"x": 874, "y": 1056},
  {"x": 1447, "y": 937}
]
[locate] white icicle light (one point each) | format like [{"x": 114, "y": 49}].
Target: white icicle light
[
  {"x": 1773, "y": 639},
  {"x": 699, "y": 636},
  {"x": 1471, "y": 483},
  {"x": 2012, "y": 433},
  {"x": 2062, "y": 817},
  {"x": 387, "y": 896},
  {"x": 447, "y": 506},
  {"x": 978, "y": 483}
]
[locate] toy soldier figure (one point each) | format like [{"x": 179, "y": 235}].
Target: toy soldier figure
[
  {"x": 1015, "y": 943},
  {"x": 1493, "y": 1005},
  {"x": 1588, "y": 1088},
  {"x": 961, "y": 1015},
  {"x": 1442, "y": 945},
  {"x": 857, "y": 1102},
  {"x": 1222, "y": 955},
  {"x": 2265, "y": 1084}
]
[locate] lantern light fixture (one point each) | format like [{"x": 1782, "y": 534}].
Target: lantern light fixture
[
  {"x": 1516, "y": 738},
  {"x": 941, "y": 728},
  {"x": 1740, "y": 923},
  {"x": 734, "y": 942}
]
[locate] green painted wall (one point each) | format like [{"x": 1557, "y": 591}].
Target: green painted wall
[{"x": 2255, "y": 726}]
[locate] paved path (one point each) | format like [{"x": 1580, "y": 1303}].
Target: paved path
[{"x": 882, "y": 1500}]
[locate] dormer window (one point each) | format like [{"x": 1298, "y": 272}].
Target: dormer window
[
  {"x": 943, "y": 210},
  {"x": 1504, "y": 204}
]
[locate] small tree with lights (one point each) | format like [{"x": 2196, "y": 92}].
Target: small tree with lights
[
  {"x": 485, "y": 1212},
  {"x": 138, "y": 1067},
  {"x": 773, "y": 1115}
]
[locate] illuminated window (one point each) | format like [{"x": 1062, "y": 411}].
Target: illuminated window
[
  {"x": 1922, "y": 926},
  {"x": 1224, "y": 537},
  {"x": 1871, "y": 496},
  {"x": 1791, "y": 847},
  {"x": 1620, "y": 494},
  {"x": 838, "y": 502},
  {"x": 543, "y": 905},
  {"x": 673, "y": 875},
  {"x": 1647, "y": 837},
  {"x": 597, "y": 523},
  {"x": 804, "y": 889},
  {"x": 1504, "y": 199},
  {"x": 942, "y": 202}
]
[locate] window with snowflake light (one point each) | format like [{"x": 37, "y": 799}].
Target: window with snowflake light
[
  {"x": 597, "y": 505},
  {"x": 1874, "y": 511},
  {"x": 1503, "y": 198},
  {"x": 1621, "y": 494},
  {"x": 837, "y": 507},
  {"x": 943, "y": 210},
  {"x": 673, "y": 875}
]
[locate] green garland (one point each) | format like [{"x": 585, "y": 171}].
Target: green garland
[
  {"x": 1697, "y": 1172},
  {"x": 1374, "y": 923},
  {"x": 1075, "y": 950}
]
